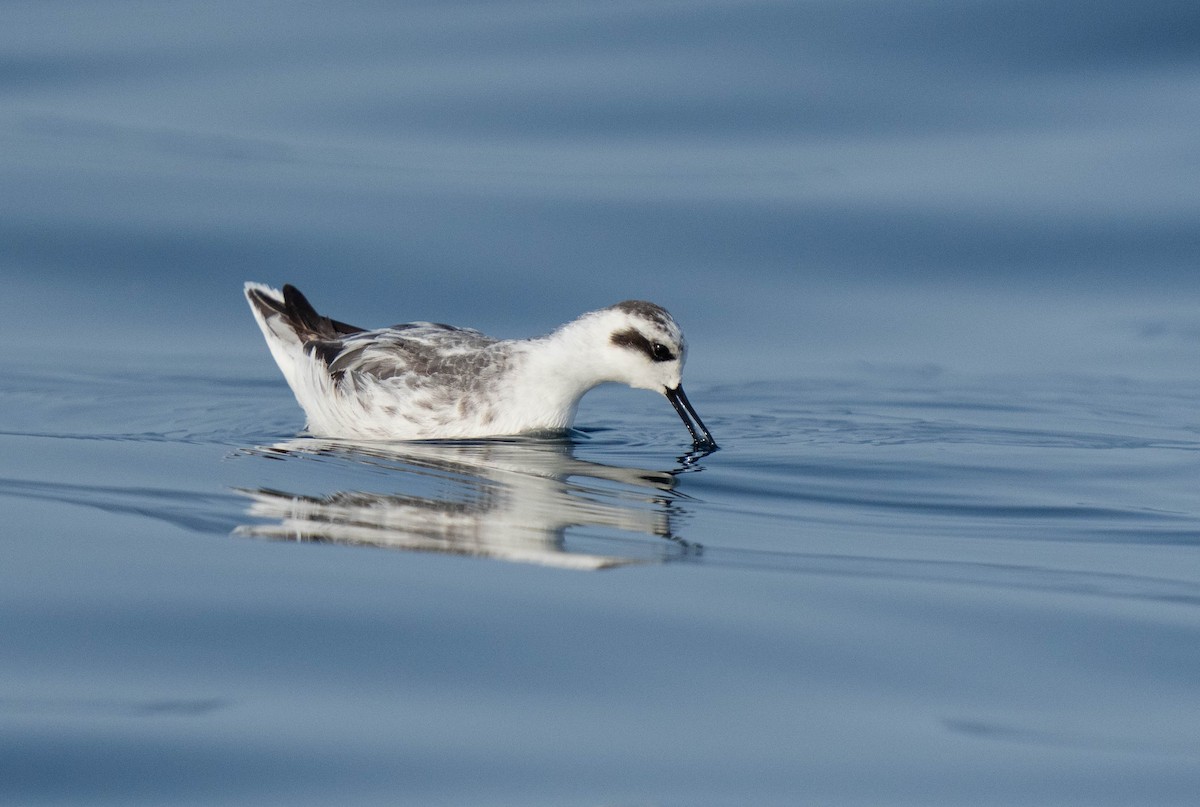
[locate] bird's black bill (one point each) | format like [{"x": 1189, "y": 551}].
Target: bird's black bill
[{"x": 700, "y": 435}]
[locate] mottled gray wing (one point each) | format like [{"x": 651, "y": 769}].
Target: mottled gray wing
[{"x": 416, "y": 349}]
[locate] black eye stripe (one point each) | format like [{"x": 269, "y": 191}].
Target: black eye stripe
[{"x": 631, "y": 338}]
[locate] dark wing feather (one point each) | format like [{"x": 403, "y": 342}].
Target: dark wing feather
[
  {"x": 308, "y": 324},
  {"x": 298, "y": 315}
]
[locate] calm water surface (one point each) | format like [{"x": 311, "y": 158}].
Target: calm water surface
[
  {"x": 906, "y": 589},
  {"x": 937, "y": 267}
]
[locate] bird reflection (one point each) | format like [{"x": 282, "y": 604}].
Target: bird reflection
[{"x": 506, "y": 499}]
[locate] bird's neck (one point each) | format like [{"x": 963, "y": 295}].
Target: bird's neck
[{"x": 556, "y": 370}]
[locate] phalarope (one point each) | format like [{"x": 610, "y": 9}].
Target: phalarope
[{"x": 424, "y": 380}]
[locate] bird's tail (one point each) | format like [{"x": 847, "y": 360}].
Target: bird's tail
[
  {"x": 289, "y": 323},
  {"x": 294, "y": 314},
  {"x": 283, "y": 339},
  {"x": 295, "y": 332}
]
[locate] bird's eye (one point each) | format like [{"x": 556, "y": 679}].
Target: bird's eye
[{"x": 660, "y": 352}]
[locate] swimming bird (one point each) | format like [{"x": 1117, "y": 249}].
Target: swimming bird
[{"x": 425, "y": 380}]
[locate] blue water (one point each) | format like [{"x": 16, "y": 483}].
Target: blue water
[{"x": 937, "y": 268}]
